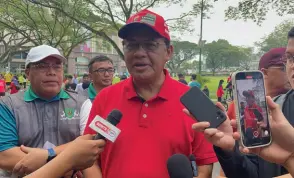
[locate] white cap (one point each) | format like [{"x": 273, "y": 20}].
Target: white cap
[{"x": 41, "y": 52}]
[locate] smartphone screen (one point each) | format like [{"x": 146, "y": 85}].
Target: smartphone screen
[{"x": 251, "y": 100}]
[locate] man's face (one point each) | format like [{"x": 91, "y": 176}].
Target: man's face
[
  {"x": 146, "y": 54},
  {"x": 289, "y": 65},
  {"x": 250, "y": 100},
  {"x": 46, "y": 77},
  {"x": 276, "y": 78},
  {"x": 69, "y": 79},
  {"x": 242, "y": 105},
  {"x": 85, "y": 79},
  {"x": 102, "y": 73}
]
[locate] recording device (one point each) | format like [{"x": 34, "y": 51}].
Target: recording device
[
  {"x": 193, "y": 165},
  {"x": 105, "y": 128},
  {"x": 248, "y": 88},
  {"x": 202, "y": 108},
  {"x": 258, "y": 115},
  {"x": 179, "y": 166}
]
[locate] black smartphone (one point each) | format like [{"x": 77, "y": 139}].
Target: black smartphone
[
  {"x": 202, "y": 108},
  {"x": 251, "y": 108}
]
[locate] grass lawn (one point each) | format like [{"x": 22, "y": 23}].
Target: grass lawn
[{"x": 212, "y": 84}]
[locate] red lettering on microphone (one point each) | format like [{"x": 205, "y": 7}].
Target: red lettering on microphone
[{"x": 102, "y": 126}]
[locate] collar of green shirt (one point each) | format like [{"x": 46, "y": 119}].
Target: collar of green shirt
[
  {"x": 91, "y": 91},
  {"x": 29, "y": 95}
]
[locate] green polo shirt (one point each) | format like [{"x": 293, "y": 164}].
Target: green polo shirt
[
  {"x": 29, "y": 95},
  {"x": 92, "y": 92}
]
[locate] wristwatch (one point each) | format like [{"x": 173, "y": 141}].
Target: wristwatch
[{"x": 51, "y": 154}]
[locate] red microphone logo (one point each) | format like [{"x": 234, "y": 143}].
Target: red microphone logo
[{"x": 103, "y": 127}]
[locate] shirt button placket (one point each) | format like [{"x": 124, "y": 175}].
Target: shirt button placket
[
  {"x": 144, "y": 116},
  {"x": 144, "y": 121}
]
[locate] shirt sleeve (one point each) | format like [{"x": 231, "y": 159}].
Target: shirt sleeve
[
  {"x": 8, "y": 129},
  {"x": 236, "y": 164},
  {"x": 231, "y": 111},
  {"x": 85, "y": 112},
  {"x": 203, "y": 150},
  {"x": 95, "y": 110}
]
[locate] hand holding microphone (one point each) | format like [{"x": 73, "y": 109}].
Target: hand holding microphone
[{"x": 82, "y": 153}]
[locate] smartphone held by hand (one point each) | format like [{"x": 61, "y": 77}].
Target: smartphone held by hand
[
  {"x": 202, "y": 108},
  {"x": 251, "y": 108}
]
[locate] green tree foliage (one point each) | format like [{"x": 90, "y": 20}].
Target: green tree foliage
[
  {"x": 277, "y": 38},
  {"x": 221, "y": 54},
  {"x": 256, "y": 10},
  {"x": 105, "y": 17},
  {"x": 183, "y": 51},
  {"x": 40, "y": 25}
]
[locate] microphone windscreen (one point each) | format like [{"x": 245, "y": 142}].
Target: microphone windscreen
[
  {"x": 114, "y": 117},
  {"x": 179, "y": 166}
]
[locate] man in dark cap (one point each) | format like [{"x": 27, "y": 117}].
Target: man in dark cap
[
  {"x": 272, "y": 65},
  {"x": 239, "y": 165}
]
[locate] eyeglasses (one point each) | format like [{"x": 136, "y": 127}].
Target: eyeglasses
[
  {"x": 103, "y": 71},
  {"x": 282, "y": 68},
  {"x": 289, "y": 58},
  {"x": 45, "y": 66},
  {"x": 146, "y": 45}
]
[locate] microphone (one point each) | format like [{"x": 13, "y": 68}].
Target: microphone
[
  {"x": 106, "y": 128},
  {"x": 179, "y": 166},
  {"x": 194, "y": 165}
]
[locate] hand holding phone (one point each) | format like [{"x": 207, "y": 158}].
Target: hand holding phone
[{"x": 202, "y": 108}]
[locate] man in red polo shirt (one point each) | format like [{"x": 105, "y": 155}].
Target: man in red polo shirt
[
  {"x": 253, "y": 119},
  {"x": 153, "y": 126}
]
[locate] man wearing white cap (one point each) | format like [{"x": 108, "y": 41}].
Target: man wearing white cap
[{"x": 44, "y": 116}]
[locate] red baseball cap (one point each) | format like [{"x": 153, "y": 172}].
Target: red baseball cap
[
  {"x": 145, "y": 18},
  {"x": 248, "y": 93},
  {"x": 272, "y": 58}
]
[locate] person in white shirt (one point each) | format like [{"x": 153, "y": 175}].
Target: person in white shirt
[
  {"x": 79, "y": 87},
  {"x": 101, "y": 73}
]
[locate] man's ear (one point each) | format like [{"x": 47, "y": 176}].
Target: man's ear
[
  {"x": 170, "y": 51},
  {"x": 90, "y": 76},
  {"x": 27, "y": 72},
  {"x": 265, "y": 72}
]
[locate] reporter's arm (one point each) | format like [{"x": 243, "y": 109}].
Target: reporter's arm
[
  {"x": 235, "y": 164},
  {"x": 204, "y": 171},
  {"x": 10, "y": 157},
  {"x": 54, "y": 169},
  {"x": 289, "y": 165},
  {"x": 93, "y": 172}
]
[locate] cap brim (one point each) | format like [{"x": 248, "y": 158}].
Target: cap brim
[
  {"x": 126, "y": 29},
  {"x": 57, "y": 56}
]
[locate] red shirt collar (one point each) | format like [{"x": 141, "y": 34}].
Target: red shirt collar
[{"x": 164, "y": 93}]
